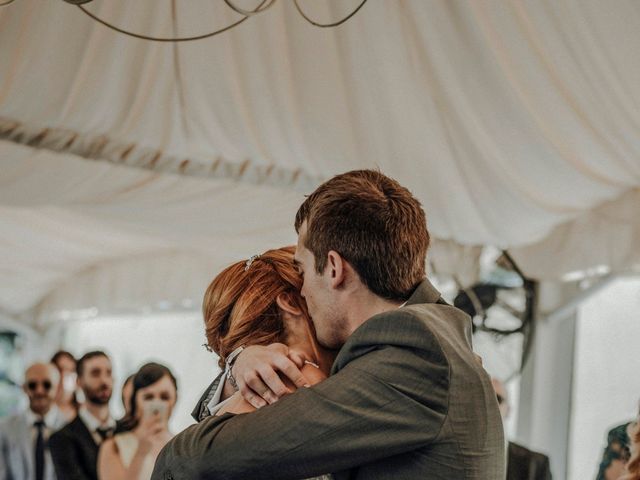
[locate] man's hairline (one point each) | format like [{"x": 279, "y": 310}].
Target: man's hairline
[
  {"x": 53, "y": 371},
  {"x": 84, "y": 363}
]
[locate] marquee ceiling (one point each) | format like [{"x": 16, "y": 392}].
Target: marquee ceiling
[{"x": 517, "y": 124}]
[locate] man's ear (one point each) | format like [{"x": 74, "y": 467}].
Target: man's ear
[
  {"x": 337, "y": 268},
  {"x": 284, "y": 302}
]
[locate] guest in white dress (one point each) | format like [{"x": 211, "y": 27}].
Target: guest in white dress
[{"x": 131, "y": 453}]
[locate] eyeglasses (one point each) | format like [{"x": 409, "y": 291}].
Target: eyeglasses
[{"x": 32, "y": 385}]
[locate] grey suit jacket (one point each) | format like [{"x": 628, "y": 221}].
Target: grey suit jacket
[
  {"x": 406, "y": 399},
  {"x": 17, "y": 449}
]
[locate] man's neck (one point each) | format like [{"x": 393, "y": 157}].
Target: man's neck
[
  {"x": 364, "y": 305},
  {"x": 100, "y": 412},
  {"x": 40, "y": 414}
]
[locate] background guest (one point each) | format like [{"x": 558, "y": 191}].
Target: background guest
[
  {"x": 24, "y": 453},
  {"x": 632, "y": 467},
  {"x": 521, "y": 462},
  {"x": 65, "y": 396},
  {"x": 75, "y": 447},
  {"x": 127, "y": 391},
  {"x": 131, "y": 453},
  {"x": 616, "y": 454}
]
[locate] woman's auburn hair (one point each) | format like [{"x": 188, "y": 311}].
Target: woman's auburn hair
[{"x": 239, "y": 306}]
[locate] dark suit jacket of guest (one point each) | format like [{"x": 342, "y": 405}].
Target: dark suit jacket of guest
[
  {"x": 524, "y": 464},
  {"x": 74, "y": 452},
  {"x": 407, "y": 399}
]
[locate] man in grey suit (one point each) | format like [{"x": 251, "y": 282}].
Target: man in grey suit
[
  {"x": 24, "y": 454},
  {"x": 406, "y": 398}
]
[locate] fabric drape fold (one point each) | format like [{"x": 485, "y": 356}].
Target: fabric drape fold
[{"x": 515, "y": 123}]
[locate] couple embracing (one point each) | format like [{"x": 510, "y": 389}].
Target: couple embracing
[{"x": 382, "y": 378}]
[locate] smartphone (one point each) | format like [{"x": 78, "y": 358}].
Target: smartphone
[{"x": 156, "y": 408}]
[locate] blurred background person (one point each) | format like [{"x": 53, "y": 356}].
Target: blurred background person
[
  {"x": 132, "y": 452},
  {"x": 23, "y": 438},
  {"x": 127, "y": 391},
  {"x": 74, "y": 448},
  {"x": 632, "y": 468},
  {"x": 522, "y": 463},
  {"x": 65, "y": 396},
  {"x": 616, "y": 454}
]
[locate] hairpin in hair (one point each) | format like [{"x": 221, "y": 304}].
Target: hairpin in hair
[{"x": 248, "y": 263}]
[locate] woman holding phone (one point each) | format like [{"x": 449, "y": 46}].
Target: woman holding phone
[{"x": 132, "y": 452}]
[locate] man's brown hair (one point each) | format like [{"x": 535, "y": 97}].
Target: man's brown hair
[
  {"x": 86, "y": 357},
  {"x": 375, "y": 224}
]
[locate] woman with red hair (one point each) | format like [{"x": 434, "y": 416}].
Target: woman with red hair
[{"x": 258, "y": 302}]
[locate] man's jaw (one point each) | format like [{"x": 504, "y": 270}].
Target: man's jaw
[
  {"x": 101, "y": 397},
  {"x": 40, "y": 405}
]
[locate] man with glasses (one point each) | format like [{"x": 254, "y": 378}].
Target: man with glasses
[{"x": 24, "y": 452}]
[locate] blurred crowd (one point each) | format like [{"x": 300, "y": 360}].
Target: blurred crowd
[{"x": 68, "y": 430}]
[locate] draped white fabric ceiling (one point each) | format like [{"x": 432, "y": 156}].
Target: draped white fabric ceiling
[{"x": 130, "y": 171}]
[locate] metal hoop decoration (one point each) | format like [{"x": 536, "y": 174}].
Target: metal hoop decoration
[
  {"x": 247, "y": 13},
  {"x": 169, "y": 39},
  {"x": 325, "y": 25}
]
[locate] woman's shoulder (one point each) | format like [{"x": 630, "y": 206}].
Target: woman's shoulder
[
  {"x": 108, "y": 445},
  {"x": 124, "y": 441},
  {"x": 109, "y": 449},
  {"x": 235, "y": 404}
]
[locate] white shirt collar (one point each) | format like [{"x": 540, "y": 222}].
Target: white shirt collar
[
  {"x": 50, "y": 419},
  {"x": 92, "y": 422},
  {"x": 214, "y": 404}
]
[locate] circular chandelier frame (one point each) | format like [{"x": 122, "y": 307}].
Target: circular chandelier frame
[
  {"x": 248, "y": 13},
  {"x": 262, "y": 6},
  {"x": 327, "y": 25}
]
